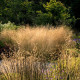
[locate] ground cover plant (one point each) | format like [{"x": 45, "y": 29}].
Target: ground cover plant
[{"x": 39, "y": 53}]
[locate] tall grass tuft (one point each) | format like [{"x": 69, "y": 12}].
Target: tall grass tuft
[
  {"x": 43, "y": 43},
  {"x": 33, "y": 51}
]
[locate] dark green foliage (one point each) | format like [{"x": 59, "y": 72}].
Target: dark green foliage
[
  {"x": 74, "y": 6},
  {"x": 37, "y": 12},
  {"x": 55, "y": 13},
  {"x": 1, "y": 44},
  {"x": 58, "y": 10},
  {"x": 43, "y": 18}
]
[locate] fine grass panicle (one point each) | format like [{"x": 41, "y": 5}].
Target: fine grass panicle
[
  {"x": 20, "y": 67},
  {"x": 33, "y": 49},
  {"x": 43, "y": 43}
]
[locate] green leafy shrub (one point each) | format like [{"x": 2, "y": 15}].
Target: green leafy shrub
[
  {"x": 56, "y": 14},
  {"x": 8, "y": 26},
  {"x": 43, "y": 18}
]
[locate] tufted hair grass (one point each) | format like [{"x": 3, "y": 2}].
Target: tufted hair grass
[
  {"x": 44, "y": 43},
  {"x": 32, "y": 48}
]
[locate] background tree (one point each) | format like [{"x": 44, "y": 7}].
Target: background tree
[{"x": 55, "y": 13}]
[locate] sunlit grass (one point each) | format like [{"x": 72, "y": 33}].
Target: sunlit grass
[
  {"x": 39, "y": 54},
  {"x": 43, "y": 43}
]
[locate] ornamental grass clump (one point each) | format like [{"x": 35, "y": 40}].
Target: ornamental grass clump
[
  {"x": 32, "y": 49},
  {"x": 44, "y": 43}
]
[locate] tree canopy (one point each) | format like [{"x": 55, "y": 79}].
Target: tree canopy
[{"x": 40, "y": 12}]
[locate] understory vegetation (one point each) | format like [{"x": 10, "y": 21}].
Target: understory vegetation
[{"x": 39, "y": 53}]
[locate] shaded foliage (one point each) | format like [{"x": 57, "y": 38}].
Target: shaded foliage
[
  {"x": 54, "y": 12},
  {"x": 74, "y": 6}
]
